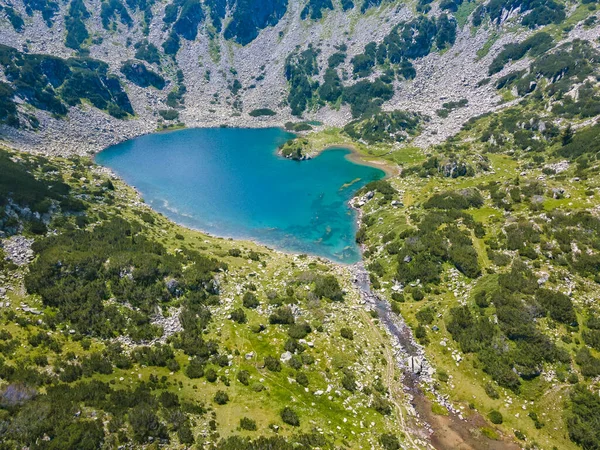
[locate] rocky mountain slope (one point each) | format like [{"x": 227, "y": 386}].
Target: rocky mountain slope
[{"x": 214, "y": 62}]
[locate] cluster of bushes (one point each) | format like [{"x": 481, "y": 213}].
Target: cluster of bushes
[
  {"x": 515, "y": 128},
  {"x": 422, "y": 251},
  {"x": 534, "y": 46},
  {"x": 555, "y": 239},
  {"x": 448, "y": 200},
  {"x": 562, "y": 69},
  {"x": 38, "y": 193},
  {"x": 332, "y": 88},
  {"x": 533, "y": 13},
  {"x": 366, "y": 97},
  {"x": 146, "y": 7},
  {"x": 262, "y": 112},
  {"x": 78, "y": 285},
  {"x": 394, "y": 126},
  {"x": 169, "y": 114},
  {"x": 585, "y": 142},
  {"x": 176, "y": 97},
  {"x": 577, "y": 59},
  {"x": 448, "y": 107},
  {"x": 52, "y": 83},
  {"x": 8, "y": 108},
  {"x": 338, "y": 57},
  {"x": 139, "y": 74},
  {"x": 406, "y": 41},
  {"x": 583, "y": 421},
  {"x": 300, "y": 68},
  {"x": 383, "y": 187},
  {"x": 586, "y": 105},
  {"x": 185, "y": 16},
  {"x": 48, "y": 9},
  {"x": 518, "y": 303},
  {"x": 147, "y": 51},
  {"x": 13, "y": 17},
  {"x": 75, "y": 24},
  {"x": 249, "y": 17},
  {"x": 314, "y": 9},
  {"x": 300, "y": 440},
  {"x": 109, "y": 11},
  {"x": 298, "y": 126},
  {"x": 137, "y": 412},
  {"x": 294, "y": 149}
]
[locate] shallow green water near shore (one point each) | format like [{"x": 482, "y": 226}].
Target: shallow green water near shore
[{"x": 230, "y": 182}]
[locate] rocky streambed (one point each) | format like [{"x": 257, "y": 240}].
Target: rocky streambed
[{"x": 451, "y": 431}]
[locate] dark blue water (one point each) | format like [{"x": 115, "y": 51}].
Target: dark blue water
[{"x": 230, "y": 182}]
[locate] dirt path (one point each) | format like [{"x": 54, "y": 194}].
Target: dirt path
[{"x": 397, "y": 396}]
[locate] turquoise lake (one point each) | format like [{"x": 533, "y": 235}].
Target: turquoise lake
[{"x": 231, "y": 183}]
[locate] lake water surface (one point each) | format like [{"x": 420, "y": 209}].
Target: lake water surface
[{"x": 230, "y": 182}]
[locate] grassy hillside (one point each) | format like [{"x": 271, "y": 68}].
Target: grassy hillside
[
  {"x": 488, "y": 246},
  {"x": 126, "y": 329}
]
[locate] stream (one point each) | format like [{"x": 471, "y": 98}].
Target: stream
[{"x": 442, "y": 432}]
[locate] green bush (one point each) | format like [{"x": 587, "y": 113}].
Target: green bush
[
  {"x": 139, "y": 74},
  {"x": 221, "y": 398},
  {"x": 289, "y": 416},
  {"x": 75, "y": 24},
  {"x": 582, "y": 420},
  {"x": 262, "y": 112},
  {"x": 327, "y": 286},
  {"x": 347, "y": 333},
  {"x": 248, "y": 424},
  {"x": 272, "y": 364},
  {"x": 389, "y": 442},
  {"x": 249, "y": 300},
  {"x": 169, "y": 114},
  {"x": 495, "y": 417}
]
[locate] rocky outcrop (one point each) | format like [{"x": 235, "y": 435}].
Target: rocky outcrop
[{"x": 18, "y": 250}]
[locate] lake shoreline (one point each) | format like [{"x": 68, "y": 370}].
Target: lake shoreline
[
  {"x": 281, "y": 240},
  {"x": 356, "y": 156}
]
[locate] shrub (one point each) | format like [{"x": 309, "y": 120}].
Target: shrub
[
  {"x": 417, "y": 294},
  {"x": 243, "y": 377},
  {"x": 289, "y": 416},
  {"x": 238, "y": 315},
  {"x": 169, "y": 114},
  {"x": 221, "y": 397},
  {"x": 582, "y": 421},
  {"x": 347, "y": 333},
  {"x": 272, "y": 364},
  {"x": 302, "y": 379},
  {"x": 283, "y": 316},
  {"x": 139, "y": 74},
  {"x": 328, "y": 287},
  {"x": 211, "y": 375},
  {"x": 381, "y": 405},
  {"x": 262, "y": 112},
  {"x": 389, "y": 442},
  {"x": 425, "y": 316},
  {"x": 247, "y": 424},
  {"x": 349, "y": 381},
  {"x": 495, "y": 417},
  {"x": 250, "y": 300},
  {"x": 299, "y": 330},
  {"x": 195, "y": 369},
  {"x": 491, "y": 391}
]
